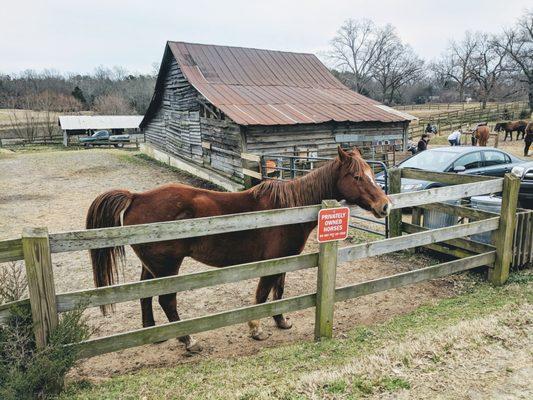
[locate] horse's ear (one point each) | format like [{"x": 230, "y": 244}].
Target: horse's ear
[{"x": 343, "y": 156}]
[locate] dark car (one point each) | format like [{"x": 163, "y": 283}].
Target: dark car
[
  {"x": 525, "y": 173},
  {"x": 459, "y": 159}
]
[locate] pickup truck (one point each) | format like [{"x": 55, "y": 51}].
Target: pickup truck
[{"x": 103, "y": 138}]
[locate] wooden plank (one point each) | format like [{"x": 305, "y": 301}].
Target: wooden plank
[
  {"x": 395, "y": 216},
  {"x": 325, "y": 294},
  {"x": 379, "y": 247},
  {"x": 251, "y": 157},
  {"x": 466, "y": 244},
  {"x": 448, "y": 178},
  {"x": 159, "y": 333},
  {"x": 147, "y": 233},
  {"x": 41, "y": 289},
  {"x": 435, "y": 195},
  {"x": 253, "y": 174},
  {"x": 11, "y": 250},
  {"x": 450, "y": 251},
  {"x": 186, "y": 228},
  {"x": 4, "y": 309},
  {"x": 419, "y": 275},
  {"x": 460, "y": 211},
  {"x": 154, "y": 287},
  {"x": 504, "y": 236}
]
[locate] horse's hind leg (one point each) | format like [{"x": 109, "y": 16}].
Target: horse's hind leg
[
  {"x": 261, "y": 295},
  {"x": 147, "y": 311},
  {"x": 169, "y": 305},
  {"x": 279, "y": 287}
]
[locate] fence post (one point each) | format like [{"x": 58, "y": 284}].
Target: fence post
[
  {"x": 504, "y": 235},
  {"x": 395, "y": 216},
  {"x": 325, "y": 288},
  {"x": 38, "y": 261}
]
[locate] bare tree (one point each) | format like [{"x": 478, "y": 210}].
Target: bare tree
[
  {"x": 487, "y": 65},
  {"x": 397, "y": 67},
  {"x": 454, "y": 64},
  {"x": 112, "y": 104},
  {"x": 358, "y": 46},
  {"x": 518, "y": 44}
]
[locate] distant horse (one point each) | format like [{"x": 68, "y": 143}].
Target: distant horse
[
  {"x": 528, "y": 138},
  {"x": 510, "y": 127},
  {"x": 481, "y": 135},
  {"x": 347, "y": 177}
]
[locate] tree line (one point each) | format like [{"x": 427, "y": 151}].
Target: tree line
[
  {"x": 111, "y": 91},
  {"x": 370, "y": 59},
  {"x": 374, "y": 61}
]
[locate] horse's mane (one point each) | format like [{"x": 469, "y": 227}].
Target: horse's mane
[{"x": 317, "y": 185}]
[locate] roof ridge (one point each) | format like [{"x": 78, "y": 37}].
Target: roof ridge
[{"x": 241, "y": 47}]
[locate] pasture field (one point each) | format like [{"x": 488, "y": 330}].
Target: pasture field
[
  {"x": 54, "y": 189},
  {"x": 476, "y": 345}
]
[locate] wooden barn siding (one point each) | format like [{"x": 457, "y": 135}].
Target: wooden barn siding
[
  {"x": 223, "y": 147},
  {"x": 177, "y": 129},
  {"x": 284, "y": 139}
]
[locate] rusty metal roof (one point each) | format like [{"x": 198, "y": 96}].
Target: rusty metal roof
[{"x": 266, "y": 87}]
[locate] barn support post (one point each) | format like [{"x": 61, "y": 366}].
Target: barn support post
[
  {"x": 41, "y": 288},
  {"x": 505, "y": 233},
  {"x": 395, "y": 216},
  {"x": 325, "y": 293}
]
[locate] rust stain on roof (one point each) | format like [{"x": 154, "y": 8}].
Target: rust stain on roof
[{"x": 266, "y": 87}]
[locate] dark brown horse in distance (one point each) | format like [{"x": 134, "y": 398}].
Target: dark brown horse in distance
[
  {"x": 347, "y": 177},
  {"x": 510, "y": 127}
]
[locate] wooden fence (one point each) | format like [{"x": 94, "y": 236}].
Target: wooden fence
[
  {"x": 462, "y": 118},
  {"x": 36, "y": 247}
]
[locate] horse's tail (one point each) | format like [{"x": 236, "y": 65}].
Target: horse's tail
[{"x": 107, "y": 210}]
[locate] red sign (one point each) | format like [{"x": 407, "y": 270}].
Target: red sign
[{"x": 333, "y": 224}]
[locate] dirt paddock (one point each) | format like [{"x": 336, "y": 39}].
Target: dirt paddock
[{"x": 55, "y": 188}]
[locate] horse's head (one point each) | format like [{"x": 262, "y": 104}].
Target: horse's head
[{"x": 356, "y": 184}]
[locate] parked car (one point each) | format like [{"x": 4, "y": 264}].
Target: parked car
[
  {"x": 525, "y": 173},
  {"x": 103, "y": 137},
  {"x": 462, "y": 160}
]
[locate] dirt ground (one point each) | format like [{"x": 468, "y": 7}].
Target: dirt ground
[{"x": 55, "y": 188}]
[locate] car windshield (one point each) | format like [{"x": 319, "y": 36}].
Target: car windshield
[{"x": 430, "y": 160}]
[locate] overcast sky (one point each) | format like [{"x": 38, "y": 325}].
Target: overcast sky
[{"x": 77, "y": 36}]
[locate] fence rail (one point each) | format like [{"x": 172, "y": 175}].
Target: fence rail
[{"x": 37, "y": 246}]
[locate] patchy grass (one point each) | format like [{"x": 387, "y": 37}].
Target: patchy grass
[{"x": 409, "y": 356}]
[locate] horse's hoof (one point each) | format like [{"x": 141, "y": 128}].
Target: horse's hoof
[
  {"x": 194, "y": 348},
  {"x": 261, "y": 335},
  {"x": 285, "y": 323}
]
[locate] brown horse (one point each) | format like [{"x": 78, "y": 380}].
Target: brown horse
[
  {"x": 481, "y": 134},
  {"x": 347, "y": 177},
  {"x": 510, "y": 127}
]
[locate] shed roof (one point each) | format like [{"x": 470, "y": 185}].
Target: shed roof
[
  {"x": 267, "y": 87},
  {"x": 78, "y": 122}
]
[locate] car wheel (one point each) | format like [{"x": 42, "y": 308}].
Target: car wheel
[{"x": 120, "y": 145}]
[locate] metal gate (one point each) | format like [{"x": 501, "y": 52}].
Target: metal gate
[{"x": 282, "y": 166}]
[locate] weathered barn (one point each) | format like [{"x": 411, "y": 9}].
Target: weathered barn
[{"x": 213, "y": 103}]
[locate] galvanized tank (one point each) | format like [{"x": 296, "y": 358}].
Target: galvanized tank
[
  {"x": 436, "y": 219},
  {"x": 485, "y": 203}
]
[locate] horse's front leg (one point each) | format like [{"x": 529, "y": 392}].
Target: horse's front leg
[
  {"x": 279, "y": 287},
  {"x": 261, "y": 295}
]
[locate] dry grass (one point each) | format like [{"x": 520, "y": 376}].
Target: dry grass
[
  {"x": 462, "y": 358},
  {"x": 476, "y": 346}
]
